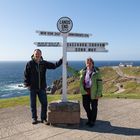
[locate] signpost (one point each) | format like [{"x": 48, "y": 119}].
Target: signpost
[
  {"x": 86, "y": 47},
  {"x": 49, "y": 33},
  {"x": 65, "y": 25},
  {"x": 48, "y": 44}
]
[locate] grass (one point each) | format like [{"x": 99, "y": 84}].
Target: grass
[
  {"x": 131, "y": 71},
  {"x": 4, "y": 103},
  {"x": 108, "y": 73},
  {"x": 11, "y": 102}
]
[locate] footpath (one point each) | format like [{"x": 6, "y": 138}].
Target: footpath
[{"x": 118, "y": 119}]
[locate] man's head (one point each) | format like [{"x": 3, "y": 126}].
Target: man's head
[
  {"x": 89, "y": 62},
  {"x": 37, "y": 54}
]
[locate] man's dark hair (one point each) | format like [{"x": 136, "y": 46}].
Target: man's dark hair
[{"x": 38, "y": 50}]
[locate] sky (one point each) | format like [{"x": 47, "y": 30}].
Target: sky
[{"x": 114, "y": 21}]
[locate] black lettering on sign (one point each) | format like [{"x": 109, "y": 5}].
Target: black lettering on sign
[
  {"x": 57, "y": 33},
  {"x": 60, "y": 22},
  {"x": 50, "y": 33},
  {"x": 64, "y": 27},
  {"x": 43, "y": 33},
  {"x": 65, "y": 22},
  {"x": 89, "y": 49}
]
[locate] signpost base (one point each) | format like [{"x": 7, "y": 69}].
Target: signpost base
[{"x": 64, "y": 112}]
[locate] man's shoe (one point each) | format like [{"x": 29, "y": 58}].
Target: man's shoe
[
  {"x": 45, "y": 122},
  {"x": 34, "y": 121}
]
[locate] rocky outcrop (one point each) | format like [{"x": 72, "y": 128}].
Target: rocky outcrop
[{"x": 57, "y": 86}]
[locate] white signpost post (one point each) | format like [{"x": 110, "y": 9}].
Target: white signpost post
[{"x": 65, "y": 25}]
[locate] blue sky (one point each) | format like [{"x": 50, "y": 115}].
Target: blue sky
[{"x": 114, "y": 21}]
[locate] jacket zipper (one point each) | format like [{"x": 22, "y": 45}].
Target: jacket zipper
[{"x": 39, "y": 75}]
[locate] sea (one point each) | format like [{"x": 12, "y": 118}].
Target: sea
[{"x": 12, "y": 75}]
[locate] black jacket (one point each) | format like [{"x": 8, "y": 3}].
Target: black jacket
[{"x": 35, "y": 74}]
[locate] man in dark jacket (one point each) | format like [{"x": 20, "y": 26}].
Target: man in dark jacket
[{"x": 35, "y": 81}]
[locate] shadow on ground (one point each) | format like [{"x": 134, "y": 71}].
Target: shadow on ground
[{"x": 102, "y": 127}]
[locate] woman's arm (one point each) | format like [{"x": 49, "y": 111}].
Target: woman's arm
[{"x": 99, "y": 85}]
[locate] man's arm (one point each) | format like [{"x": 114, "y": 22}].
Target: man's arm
[
  {"x": 27, "y": 72},
  {"x": 50, "y": 65}
]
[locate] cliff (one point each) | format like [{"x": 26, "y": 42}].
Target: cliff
[{"x": 116, "y": 80}]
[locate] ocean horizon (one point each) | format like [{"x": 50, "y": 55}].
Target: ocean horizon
[{"x": 12, "y": 75}]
